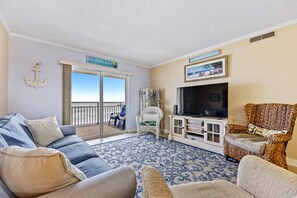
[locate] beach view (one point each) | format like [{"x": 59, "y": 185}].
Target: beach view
[{"x": 85, "y": 105}]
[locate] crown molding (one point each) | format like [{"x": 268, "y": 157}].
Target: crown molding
[
  {"x": 72, "y": 48},
  {"x": 269, "y": 29}
]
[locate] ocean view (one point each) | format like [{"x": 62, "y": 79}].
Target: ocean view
[{"x": 87, "y": 112}]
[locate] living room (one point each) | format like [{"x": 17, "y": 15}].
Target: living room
[{"x": 152, "y": 50}]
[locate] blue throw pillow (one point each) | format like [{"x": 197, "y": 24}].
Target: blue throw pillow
[
  {"x": 3, "y": 143},
  {"x": 13, "y": 132},
  {"x": 14, "y": 139},
  {"x": 28, "y": 132}
]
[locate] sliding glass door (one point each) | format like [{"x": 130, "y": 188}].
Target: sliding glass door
[
  {"x": 114, "y": 104},
  {"x": 92, "y": 117}
]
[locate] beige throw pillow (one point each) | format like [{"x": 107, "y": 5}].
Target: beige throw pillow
[
  {"x": 45, "y": 131},
  {"x": 34, "y": 172},
  {"x": 253, "y": 129}
]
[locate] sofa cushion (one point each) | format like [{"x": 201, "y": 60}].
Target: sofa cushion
[
  {"x": 253, "y": 129},
  {"x": 45, "y": 131},
  {"x": 209, "y": 189},
  {"x": 36, "y": 171},
  {"x": 78, "y": 152},
  {"x": 15, "y": 139},
  {"x": 93, "y": 166},
  {"x": 68, "y": 140},
  {"x": 250, "y": 142}
]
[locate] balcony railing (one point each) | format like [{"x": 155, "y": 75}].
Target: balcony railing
[{"x": 87, "y": 113}]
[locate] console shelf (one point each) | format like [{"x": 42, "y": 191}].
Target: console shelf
[{"x": 203, "y": 132}]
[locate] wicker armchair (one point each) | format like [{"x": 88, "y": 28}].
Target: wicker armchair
[
  {"x": 149, "y": 121},
  {"x": 269, "y": 116}
]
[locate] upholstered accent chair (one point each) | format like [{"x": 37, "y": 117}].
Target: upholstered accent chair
[
  {"x": 280, "y": 117},
  {"x": 149, "y": 120}
]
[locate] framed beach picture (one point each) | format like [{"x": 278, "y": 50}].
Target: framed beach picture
[{"x": 213, "y": 68}]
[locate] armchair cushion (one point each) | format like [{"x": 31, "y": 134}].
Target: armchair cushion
[
  {"x": 209, "y": 189},
  {"x": 250, "y": 142},
  {"x": 253, "y": 129},
  {"x": 148, "y": 123}
]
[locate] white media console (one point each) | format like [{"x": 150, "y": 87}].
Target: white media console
[{"x": 203, "y": 132}]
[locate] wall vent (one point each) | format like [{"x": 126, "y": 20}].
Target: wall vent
[{"x": 263, "y": 36}]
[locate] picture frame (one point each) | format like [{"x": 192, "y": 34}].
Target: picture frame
[{"x": 208, "y": 69}]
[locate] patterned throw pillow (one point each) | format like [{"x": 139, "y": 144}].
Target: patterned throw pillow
[
  {"x": 252, "y": 129},
  {"x": 148, "y": 123}
]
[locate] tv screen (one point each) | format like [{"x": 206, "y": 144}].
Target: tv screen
[{"x": 205, "y": 100}]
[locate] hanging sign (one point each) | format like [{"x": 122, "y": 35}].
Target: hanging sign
[{"x": 102, "y": 62}]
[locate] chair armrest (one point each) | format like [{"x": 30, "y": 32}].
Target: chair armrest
[
  {"x": 234, "y": 128},
  {"x": 279, "y": 138},
  {"x": 261, "y": 178},
  {"x": 68, "y": 130},
  {"x": 120, "y": 183},
  {"x": 154, "y": 186},
  {"x": 138, "y": 118}
]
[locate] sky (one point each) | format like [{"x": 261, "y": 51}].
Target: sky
[{"x": 85, "y": 88}]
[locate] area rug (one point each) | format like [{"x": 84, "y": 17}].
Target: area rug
[{"x": 179, "y": 163}]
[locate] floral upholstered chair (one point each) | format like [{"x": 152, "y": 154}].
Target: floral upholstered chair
[
  {"x": 149, "y": 120},
  {"x": 270, "y": 127}
]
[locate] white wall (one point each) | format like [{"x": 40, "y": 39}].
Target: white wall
[{"x": 36, "y": 103}]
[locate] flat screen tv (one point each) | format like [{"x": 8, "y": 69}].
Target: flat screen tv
[{"x": 203, "y": 101}]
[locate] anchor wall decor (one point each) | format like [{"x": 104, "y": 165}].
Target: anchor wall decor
[{"x": 36, "y": 83}]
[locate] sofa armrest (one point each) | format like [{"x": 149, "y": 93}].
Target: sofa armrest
[
  {"x": 261, "y": 178},
  {"x": 68, "y": 130},
  {"x": 120, "y": 183},
  {"x": 234, "y": 128}
]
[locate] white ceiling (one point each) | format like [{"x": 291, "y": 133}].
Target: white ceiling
[{"x": 145, "y": 32}]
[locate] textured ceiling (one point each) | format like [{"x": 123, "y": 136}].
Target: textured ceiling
[{"x": 146, "y": 32}]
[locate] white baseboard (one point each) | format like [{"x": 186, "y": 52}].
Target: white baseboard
[
  {"x": 132, "y": 130},
  {"x": 292, "y": 162}
]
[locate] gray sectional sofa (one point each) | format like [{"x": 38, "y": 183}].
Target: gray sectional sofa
[{"x": 13, "y": 131}]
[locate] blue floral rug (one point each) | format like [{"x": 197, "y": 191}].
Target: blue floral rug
[{"x": 179, "y": 163}]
